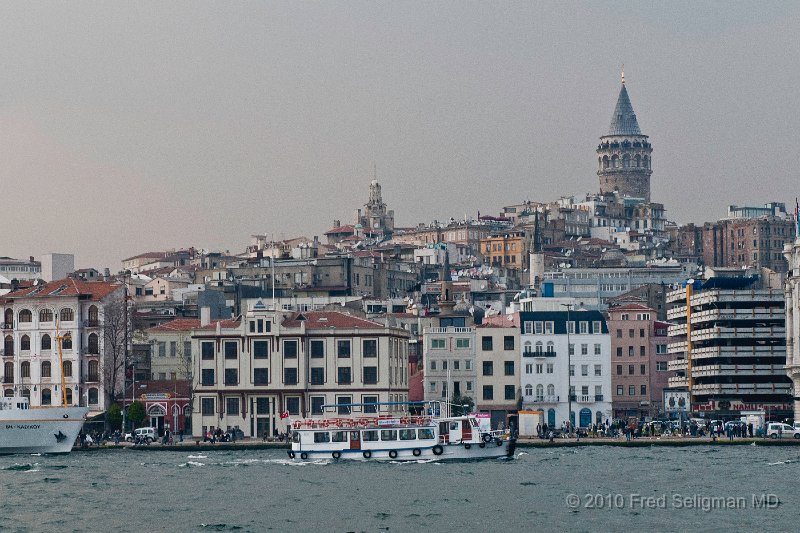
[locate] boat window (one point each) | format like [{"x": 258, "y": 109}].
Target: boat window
[
  {"x": 453, "y": 426},
  {"x": 296, "y": 437},
  {"x": 339, "y": 436},
  {"x": 426, "y": 434},
  {"x": 322, "y": 436},
  {"x": 473, "y": 422},
  {"x": 408, "y": 434},
  {"x": 370, "y": 436},
  {"x": 388, "y": 434}
]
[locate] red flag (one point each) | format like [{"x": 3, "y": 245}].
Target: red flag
[{"x": 284, "y": 414}]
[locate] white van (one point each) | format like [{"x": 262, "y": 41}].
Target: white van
[
  {"x": 778, "y": 429},
  {"x": 149, "y": 434}
]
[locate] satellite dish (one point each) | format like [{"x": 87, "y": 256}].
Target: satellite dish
[
  {"x": 690, "y": 281},
  {"x": 510, "y": 318}
]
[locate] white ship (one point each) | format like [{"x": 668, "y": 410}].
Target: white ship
[
  {"x": 391, "y": 437},
  {"x": 39, "y": 429}
]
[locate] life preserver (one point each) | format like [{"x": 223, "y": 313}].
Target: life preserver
[
  {"x": 367, "y": 454},
  {"x": 482, "y": 445},
  {"x": 336, "y": 455},
  {"x": 467, "y": 446},
  {"x": 291, "y": 454},
  {"x": 303, "y": 456},
  {"x": 339, "y": 423},
  {"x": 417, "y": 452},
  {"x": 487, "y": 437},
  {"x": 437, "y": 450},
  {"x": 498, "y": 442},
  {"x": 296, "y": 424},
  {"x": 392, "y": 453},
  {"x": 404, "y": 420}
]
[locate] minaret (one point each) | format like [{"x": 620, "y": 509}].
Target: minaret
[
  {"x": 446, "y": 298},
  {"x": 537, "y": 257},
  {"x": 624, "y": 155}
]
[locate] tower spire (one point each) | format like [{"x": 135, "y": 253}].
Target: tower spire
[{"x": 622, "y": 73}]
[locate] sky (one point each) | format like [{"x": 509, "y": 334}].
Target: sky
[{"x": 140, "y": 126}]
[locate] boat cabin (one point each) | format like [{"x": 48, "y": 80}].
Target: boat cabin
[{"x": 15, "y": 402}]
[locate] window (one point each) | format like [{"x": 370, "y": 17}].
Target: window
[
  {"x": 598, "y": 370},
  {"x": 260, "y": 349},
  {"x": 322, "y": 436},
  {"x": 462, "y": 343},
  {"x": 46, "y": 369},
  {"x": 619, "y": 333},
  {"x": 343, "y": 409},
  {"x": 539, "y": 368},
  {"x": 456, "y": 364},
  {"x": 486, "y": 343},
  {"x": 550, "y": 367},
  {"x": 93, "y": 371},
  {"x": 630, "y": 351},
  {"x": 467, "y": 364},
  {"x": 488, "y": 392},
  {"x": 529, "y": 368},
  {"x": 571, "y": 327},
  {"x": 488, "y": 368},
  {"x": 231, "y": 351},
  {"x": 370, "y": 408},
  {"x": 508, "y": 367},
  {"x": 630, "y": 333},
  {"x": 630, "y": 370},
  {"x": 290, "y": 376},
  {"x": 66, "y": 342},
  {"x": 632, "y": 390},
  {"x": 508, "y": 342},
  {"x": 641, "y": 332},
  {"x": 162, "y": 349},
  {"x": 207, "y": 406},
  {"x": 444, "y": 364},
  {"x": 584, "y": 328},
  {"x": 25, "y": 370},
  {"x": 572, "y": 370},
  {"x": 93, "y": 346},
  {"x": 661, "y": 349},
  {"x": 67, "y": 315},
  {"x": 207, "y": 351},
  {"x": 46, "y": 342},
  {"x": 548, "y": 328},
  {"x": 388, "y": 434},
  {"x": 260, "y": 376},
  {"x": 370, "y": 375},
  {"x": 432, "y": 386},
  {"x": 232, "y": 405},
  {"x": 25, "y": 343},
  {"x": 538, "y": 327},
  {"x": 661, "y": 365},
  {"x": 317, "y": 348},
  {"x": 433, "y": 364},
  {"x": 369, "y": 348},
  {"x": 643, "y": 390},
  {"x": 344, "y": 375},
  {"x": 293, "y": 405},
  {"x": 25, "y": 316},
  {"x": 596, "y": 329},
  {"x": 584, "y": 349},
  {"x": 510, "y": 392},
  {"x": 527, "y": 327},
  {"x": 620, "y": 390},
  {"x": 290, "y": 349},
  {"x": 437, "y": 344},
  {"x": 619, "y": 370},
  {"x": 571, "y": 349},
  {"x": 597, "y": 349},
  {"x": 619, "y": 351},
  {"x": 173, "y": 348},
  {"x": 584, "y": 370},
  {"x": 67, "y": 368},
  {"x": 641, "y": 351},
  {"x": 231, "y": 376},
  {"x": 642, "y": 369},
  {"x": 46, "y": 315},
  {"x": 372, "y": 435},
  {"x": 47, "y": 397},
  {"x": 187, "y": 349},
  {"x": 316, "y": 404},
  {"x": 343, "y": 349}
]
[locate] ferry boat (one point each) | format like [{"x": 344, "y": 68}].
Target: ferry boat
[
  {"x": 376, "y": 436},
  {"x": 39, "y": 429}
]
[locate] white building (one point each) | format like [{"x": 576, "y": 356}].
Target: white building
[
  {"x": 450, "y": 361},
  {"x": 792, "y": 294},
  {"x": 566, "y": 353}
]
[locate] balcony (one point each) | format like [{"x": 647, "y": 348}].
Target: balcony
[
  {"x": 8, "y": 379},
  {"x": 541, "y": 399},
  {"x": 7, "y": 325},
  {"x": 91, "y": 323},
  {"x": 585, "y": 398},
  {"x": 449, "y": 329},
  {"x": 539, "y": 354}
]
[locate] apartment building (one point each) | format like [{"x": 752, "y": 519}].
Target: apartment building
[
  {"x": 498, "y": 376},
  {"x": 270, "y": 368}
]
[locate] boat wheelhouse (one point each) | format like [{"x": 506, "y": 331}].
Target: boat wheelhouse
[{"x": 381, "y": 432}]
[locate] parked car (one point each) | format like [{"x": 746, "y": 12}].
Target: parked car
[
  {"x": 778, "y": 429},
  {"x": 233, "y": 434},
  {"x": 149, "y": 434}
]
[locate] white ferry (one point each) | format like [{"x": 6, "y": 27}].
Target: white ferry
[
  {"x": 391, "y": 437},
  {"x": 39, "y": 429}
]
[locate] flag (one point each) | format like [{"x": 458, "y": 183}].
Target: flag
[{"x": 284, "y": 414}]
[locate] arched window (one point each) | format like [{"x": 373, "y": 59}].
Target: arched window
[
  {"x": 539, "y": 346},
  {"x": 46, "y": 315},
  {"x": 637, "y": 161},
  {"x": 66, "y": 342},
  {"x": 527, "y": 348},
  {"x": 539, "y": 393},
  {"x": 626, "y": 161},
  {"x": 69, "y": 395},
  {"x": 599, "y": 163},
  {"x": 25, "y": 315},
  {"x": 47, "y": 397},
  {"x": 93, "y": 316},
  {"x": 551, "y": 417},
  {"x": 26, "y": 393},
  {"x": 605, "y": 162},
  {"x": 25, "y": 343},
  {"x": 551, "y": 390},
  {"x": 529, "y": 390},
  {"x": 46, "y": 369},
  {"x": 8, "y": 393},
  {"x": 93, "y": 371},
  {"x": 94, "y": 345},
  {"x": 9, "y": 318},
  {"x": 67, "y": 315},
  {"x": 46, "y": 342},
  {"x": 8, "y": 345},
  {"x": 645, "y": 162},
  {"x": 93, "y": 396},
  {"x": 614, "y": 161},
  {"x": 67, "y": 368},
  {"x": 25, "y": 369},
  {"x": 8, "y": 372},
  {"x": 550, "y": 347}
]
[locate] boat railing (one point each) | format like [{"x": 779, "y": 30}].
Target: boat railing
[{"x": 361, "y": 422}]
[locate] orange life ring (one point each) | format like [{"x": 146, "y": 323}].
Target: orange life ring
[
  {"x": 296, "y": 424},
  {"x": 404, "y": 420}
]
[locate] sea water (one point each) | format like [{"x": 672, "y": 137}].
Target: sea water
[{"x": 592, "y": 488}]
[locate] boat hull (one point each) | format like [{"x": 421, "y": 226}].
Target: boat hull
[
  {"x": 40, "y": 430},
  {"x": 446, "y": 452}
]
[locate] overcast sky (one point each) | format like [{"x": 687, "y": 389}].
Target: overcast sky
[{"x": 135, "y": 126}]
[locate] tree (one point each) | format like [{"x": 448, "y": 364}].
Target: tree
[
  {"x": 462, "y": 405},
  {"x": 116, "y": 332},
  {"x": 115, "y": 416},
  {"x": 136, "y": 413}
]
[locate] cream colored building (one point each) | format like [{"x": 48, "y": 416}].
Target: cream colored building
[{"x": 498, "y": 364}]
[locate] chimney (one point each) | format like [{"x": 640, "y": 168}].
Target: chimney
[
  {"x": 31, "y": 258},
  {"x": 106, "y": 274},
  {"x": 205, "y": 316}
]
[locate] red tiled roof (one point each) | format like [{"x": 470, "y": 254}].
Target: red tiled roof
[
  {"x": 97, "y": 290},
  {"x": 347, "y": 228},
  {"x": 330, "y": 319},
  {"x": 179, "y": 324},
  {"x": 224, "y": 324}
]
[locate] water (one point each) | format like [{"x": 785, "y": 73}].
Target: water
[{"x": 261, "y": 490}]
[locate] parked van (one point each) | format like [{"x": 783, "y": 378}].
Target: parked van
[
  {"x": 778, "y": 429},
  {"x": 149, "y": 434}
]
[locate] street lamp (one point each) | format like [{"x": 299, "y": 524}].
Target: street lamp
[{"x": 569, "y": 372}]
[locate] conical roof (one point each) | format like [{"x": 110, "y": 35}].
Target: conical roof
[{"x": 623, "y": 122}]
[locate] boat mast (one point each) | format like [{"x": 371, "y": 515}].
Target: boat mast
[{"x": 59, "y": 338}]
